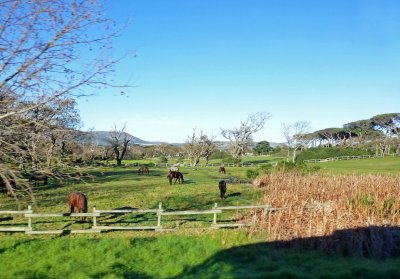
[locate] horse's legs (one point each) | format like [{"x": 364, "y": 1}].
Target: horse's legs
[
  {"x": 71, "y": 208},
  {"x": 83, "y": 218}
]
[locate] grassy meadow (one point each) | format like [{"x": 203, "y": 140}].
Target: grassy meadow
[
  {"x": 191, "y": 249},
  {"x": 387, "y": 165}
]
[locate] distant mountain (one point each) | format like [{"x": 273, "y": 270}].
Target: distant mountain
[
  {"x": 275, "y": 144},
  {"x": 102, "y": 138}
]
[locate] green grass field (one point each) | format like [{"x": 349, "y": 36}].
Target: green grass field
[
  {"x": 191, "y": 250},
  {"x": 388, "y": 165},
  {"x": 222, "y": 254}
]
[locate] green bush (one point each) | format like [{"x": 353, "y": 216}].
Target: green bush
[
  {"x": 228, "y": 159},
  {"x": 252, "y": 174},
  {"x": 265, "y": 168},
  {"x": 219, "y": 155},
  {"x": 297, "y": 167},
  {"x": 162, "y": 159}
]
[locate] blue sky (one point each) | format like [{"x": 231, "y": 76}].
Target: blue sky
[{"x": 208, "y": 64}]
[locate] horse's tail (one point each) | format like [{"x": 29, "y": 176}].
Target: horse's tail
[{"x": 85, "y": 207}]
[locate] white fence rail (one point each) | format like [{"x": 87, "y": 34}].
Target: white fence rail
[
  {"x": 166, "y": 165},
  {"x": 342, "y": 158},
  {"x": 97, "y": 228}
]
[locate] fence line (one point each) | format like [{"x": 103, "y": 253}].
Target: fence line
[
  {"x": 166, "y": 165},
  {"x": 342, "y": 158},
  {"x": 97, "y": 228},
  {"x": 14, "y": 228}
]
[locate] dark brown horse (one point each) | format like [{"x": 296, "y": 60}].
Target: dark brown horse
[
  {"x": 7, "y": 185},
  {"x": 178, "y": 176},
  {"x": 143, "y": 170},
  {"x": 77, "y": 201},
  {"x": 222, "y": 170},
  {"x": 39, "y": 177},
  {"x": 222, "y": 189}
]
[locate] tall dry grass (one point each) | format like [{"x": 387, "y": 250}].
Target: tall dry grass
[{"x": 316, "y": 206}]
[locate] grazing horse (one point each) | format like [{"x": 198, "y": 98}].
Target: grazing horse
[
  {"x": 7, "y": 185},
  {"x": 222, "y": 189},
  {"x": 39, "y": 177},
  {"x": 178, "y": 176},
  {"x": 77, "y": 201},
  {"x": 143, "y": 170},
  {"x": 222, "y": 170},
  {"x": 174, "y": 168}
]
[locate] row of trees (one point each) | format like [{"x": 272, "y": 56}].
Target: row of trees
[
  {"x": 239, "y": 139},
  {"x": 380, "y": 132},
  {"x": 197, "y": 146}
]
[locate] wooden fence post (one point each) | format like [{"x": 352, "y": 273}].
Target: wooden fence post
[
  {"x": 215, "y": 214},
  {"x": 29, "y": 218},
  {"x": 94, "y": 217},
  {"x": 159, "y": 215}
]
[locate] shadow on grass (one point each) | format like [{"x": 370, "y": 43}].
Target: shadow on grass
[
  {"x": 265, "y": 161},
  {"x": 122, "y": 271},
  {"x": 371, "y": 252},
  {"x": 235, "y": 194},
  {"x": 115, "y": 219},
  {"x": 7, "y": 218},
  {"x": 123, "y": 175}
]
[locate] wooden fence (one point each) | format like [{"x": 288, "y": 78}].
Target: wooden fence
[
  {"x": 342, "y": 158},
  {"x": 98, "y": 228},
  {"x": 166, "y": 165}
]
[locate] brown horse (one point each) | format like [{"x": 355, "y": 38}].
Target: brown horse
[
  {"x": 78, "y": 201},
  {"x": 143, "y": 170},
  {"x": 7, "y": 185},
  {"x": 178, "y": 176},
  {"x": 222, "y": 189},
  {"x": 222, "y": 170}
]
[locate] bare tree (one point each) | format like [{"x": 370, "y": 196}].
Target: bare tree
[
  {"x": 48, "y": 53},
  {"x": 210, "y": 147},
  {"x": 119, "y": 141},
  {"x": 198, "y": 146},
  {"x": 297, "y": 136},
  {"x": 241, "y": 137},
  {"x": 41, "y": 42}
]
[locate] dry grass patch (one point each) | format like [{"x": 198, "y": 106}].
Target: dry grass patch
[{"x": 321, "y": 206}]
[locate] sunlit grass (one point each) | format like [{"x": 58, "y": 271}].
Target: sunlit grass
[
  {"x": 192, "y": 251},
  {"x": 218, "y": 254},
  {"x": 388, "y": 165}
]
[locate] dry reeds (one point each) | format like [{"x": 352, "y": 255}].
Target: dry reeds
[{"x": 320, "y": 206}]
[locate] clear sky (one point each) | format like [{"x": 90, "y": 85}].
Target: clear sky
[{"x": 207, "y": 64}]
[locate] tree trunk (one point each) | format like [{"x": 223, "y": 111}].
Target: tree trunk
[{"x": 294, "y": 155}]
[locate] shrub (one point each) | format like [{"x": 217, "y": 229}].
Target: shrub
[
  {"x": 297, "y": 167},
  {"x": 162, "y": 159},
  {"x": 228, "y": 159},
  {"x": 219, "y": 155},
  {"x": 252, "y": 174},
  {"x": 265, "y": 168}
]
